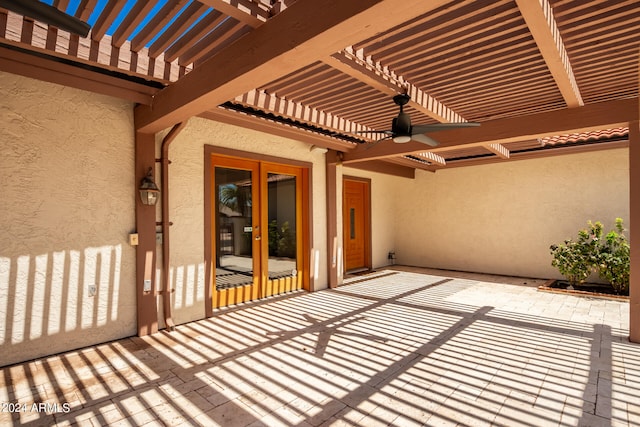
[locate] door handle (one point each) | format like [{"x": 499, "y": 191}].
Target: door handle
[{"x": 258, "y": 237}]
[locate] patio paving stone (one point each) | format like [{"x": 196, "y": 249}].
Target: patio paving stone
[{"x": 400, "y": 347}]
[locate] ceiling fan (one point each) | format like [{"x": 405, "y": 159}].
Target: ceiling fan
[{"x": 402, "y": 131}]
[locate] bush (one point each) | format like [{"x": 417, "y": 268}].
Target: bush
[
  {"x": 614, "y": 262},
  {"x": 575, "y": 260},
  {"x": 609, "y": 257}
]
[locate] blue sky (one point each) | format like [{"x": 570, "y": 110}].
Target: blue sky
[{"x": 73, "y": 6}]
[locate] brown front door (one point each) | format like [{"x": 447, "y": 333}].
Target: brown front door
[{"x": 356, "y": 224}]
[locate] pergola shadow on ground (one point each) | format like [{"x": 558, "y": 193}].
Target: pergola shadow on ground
[{"x": 392, "y": 348}]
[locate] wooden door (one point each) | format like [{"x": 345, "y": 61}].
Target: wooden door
[
  {"x": 259, "y": 223},
  {"x": 356, "y": 224}
]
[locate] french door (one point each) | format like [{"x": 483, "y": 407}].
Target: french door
[{"x": 258, "y": 229}]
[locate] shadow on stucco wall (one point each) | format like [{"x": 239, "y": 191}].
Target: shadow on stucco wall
[{"x": 63, "y": 300}]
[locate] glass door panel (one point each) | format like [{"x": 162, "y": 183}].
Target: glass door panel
[
  {"x": 283, "y": 217},
  {"x": 234, "y": 257},
  {"x": 282, "y": 226},
  {"x": 237, "y": 242}
]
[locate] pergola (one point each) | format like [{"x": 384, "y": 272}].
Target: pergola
[{"x": 530, "y": 72}]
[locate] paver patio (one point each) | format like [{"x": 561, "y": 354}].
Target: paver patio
[{"x": 399, "y": 347}]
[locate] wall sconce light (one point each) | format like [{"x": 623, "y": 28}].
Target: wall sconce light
[
  {"x": 149, "y": 190},
  {"x": 319, "y": 149}
]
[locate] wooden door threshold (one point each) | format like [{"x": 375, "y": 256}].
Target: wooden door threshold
[{"x": 358, "y": 271}]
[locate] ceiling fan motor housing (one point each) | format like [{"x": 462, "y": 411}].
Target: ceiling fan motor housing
[
  {"x": 401, "y": 125},
  {"x": 402, "y": 131},
  {"x": 401, "y": 99}
]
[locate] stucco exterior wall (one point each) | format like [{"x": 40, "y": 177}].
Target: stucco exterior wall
[
  {"x": 501, "y": 218},
  {"x": 186, "y": 203},
  {"x": 67, "y": 272}
]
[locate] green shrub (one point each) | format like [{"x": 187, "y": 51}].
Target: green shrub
[
  {"x": 609, "y": 257},
  {"x": 613, "y": 259},
  {"x": 575, "y": 260}
]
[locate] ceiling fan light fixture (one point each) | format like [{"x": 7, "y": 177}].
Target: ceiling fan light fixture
[
  {"x": 402, "y": 131},
  {"x": 401, "y": 139}
]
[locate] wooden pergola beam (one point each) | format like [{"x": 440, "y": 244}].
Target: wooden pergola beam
[
  {"x": 305, "y": 32},
  {"x": 538, "y": 15},
  {"x": 634, "y": 234},
  {"x": 37, "y": 67},
  {"x": 557, "y": 151},
  {"x": 387, "y": 168},
  {"x": 244, "y": 11},
  {"x": 602, "y": 115}
]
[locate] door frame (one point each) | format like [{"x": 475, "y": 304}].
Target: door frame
[
  {"x": 306, "y": 204},
  {"x": 368, "y": 257}
]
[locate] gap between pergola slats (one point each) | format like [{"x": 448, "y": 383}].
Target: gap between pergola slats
[{"x": 196, "y": 34}]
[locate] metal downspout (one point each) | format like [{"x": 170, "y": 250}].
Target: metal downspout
[{"x": 164, "y": 160}]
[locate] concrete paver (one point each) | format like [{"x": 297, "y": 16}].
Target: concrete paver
[{"x": 400, "y": 347}]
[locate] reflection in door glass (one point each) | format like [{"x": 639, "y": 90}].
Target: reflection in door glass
[
  {"x": 234, "y": 257},
  {"x": 282, "y": 226}
]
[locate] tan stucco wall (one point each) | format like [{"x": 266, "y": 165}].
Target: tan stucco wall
[
  {"x": 186, "y": 203},
  {"x": 67, "y": 206},
  {"x": 501, "y": 218},
  {"x": 67, "y": 210}
]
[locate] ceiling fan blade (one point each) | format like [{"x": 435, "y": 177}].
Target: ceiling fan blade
[
  {"x": 48, "y": 14},
  {"x": 441, "y": 126},
  {"x": 420, "y": 137},
  {"x": 371, "y": 134},
  {"x": 386, "y": 132}
]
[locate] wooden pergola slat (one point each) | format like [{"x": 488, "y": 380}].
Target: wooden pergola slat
[
  {"x": 106, "y": 18},
  {"x": 385, "y": 80},
  {"x": 159, "y": 20}
]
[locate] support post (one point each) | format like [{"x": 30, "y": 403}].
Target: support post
[
  {"x": 146, "y": 250},
  {"x": 332, "y": 217},
  {"x": 634, "y": 233}
]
